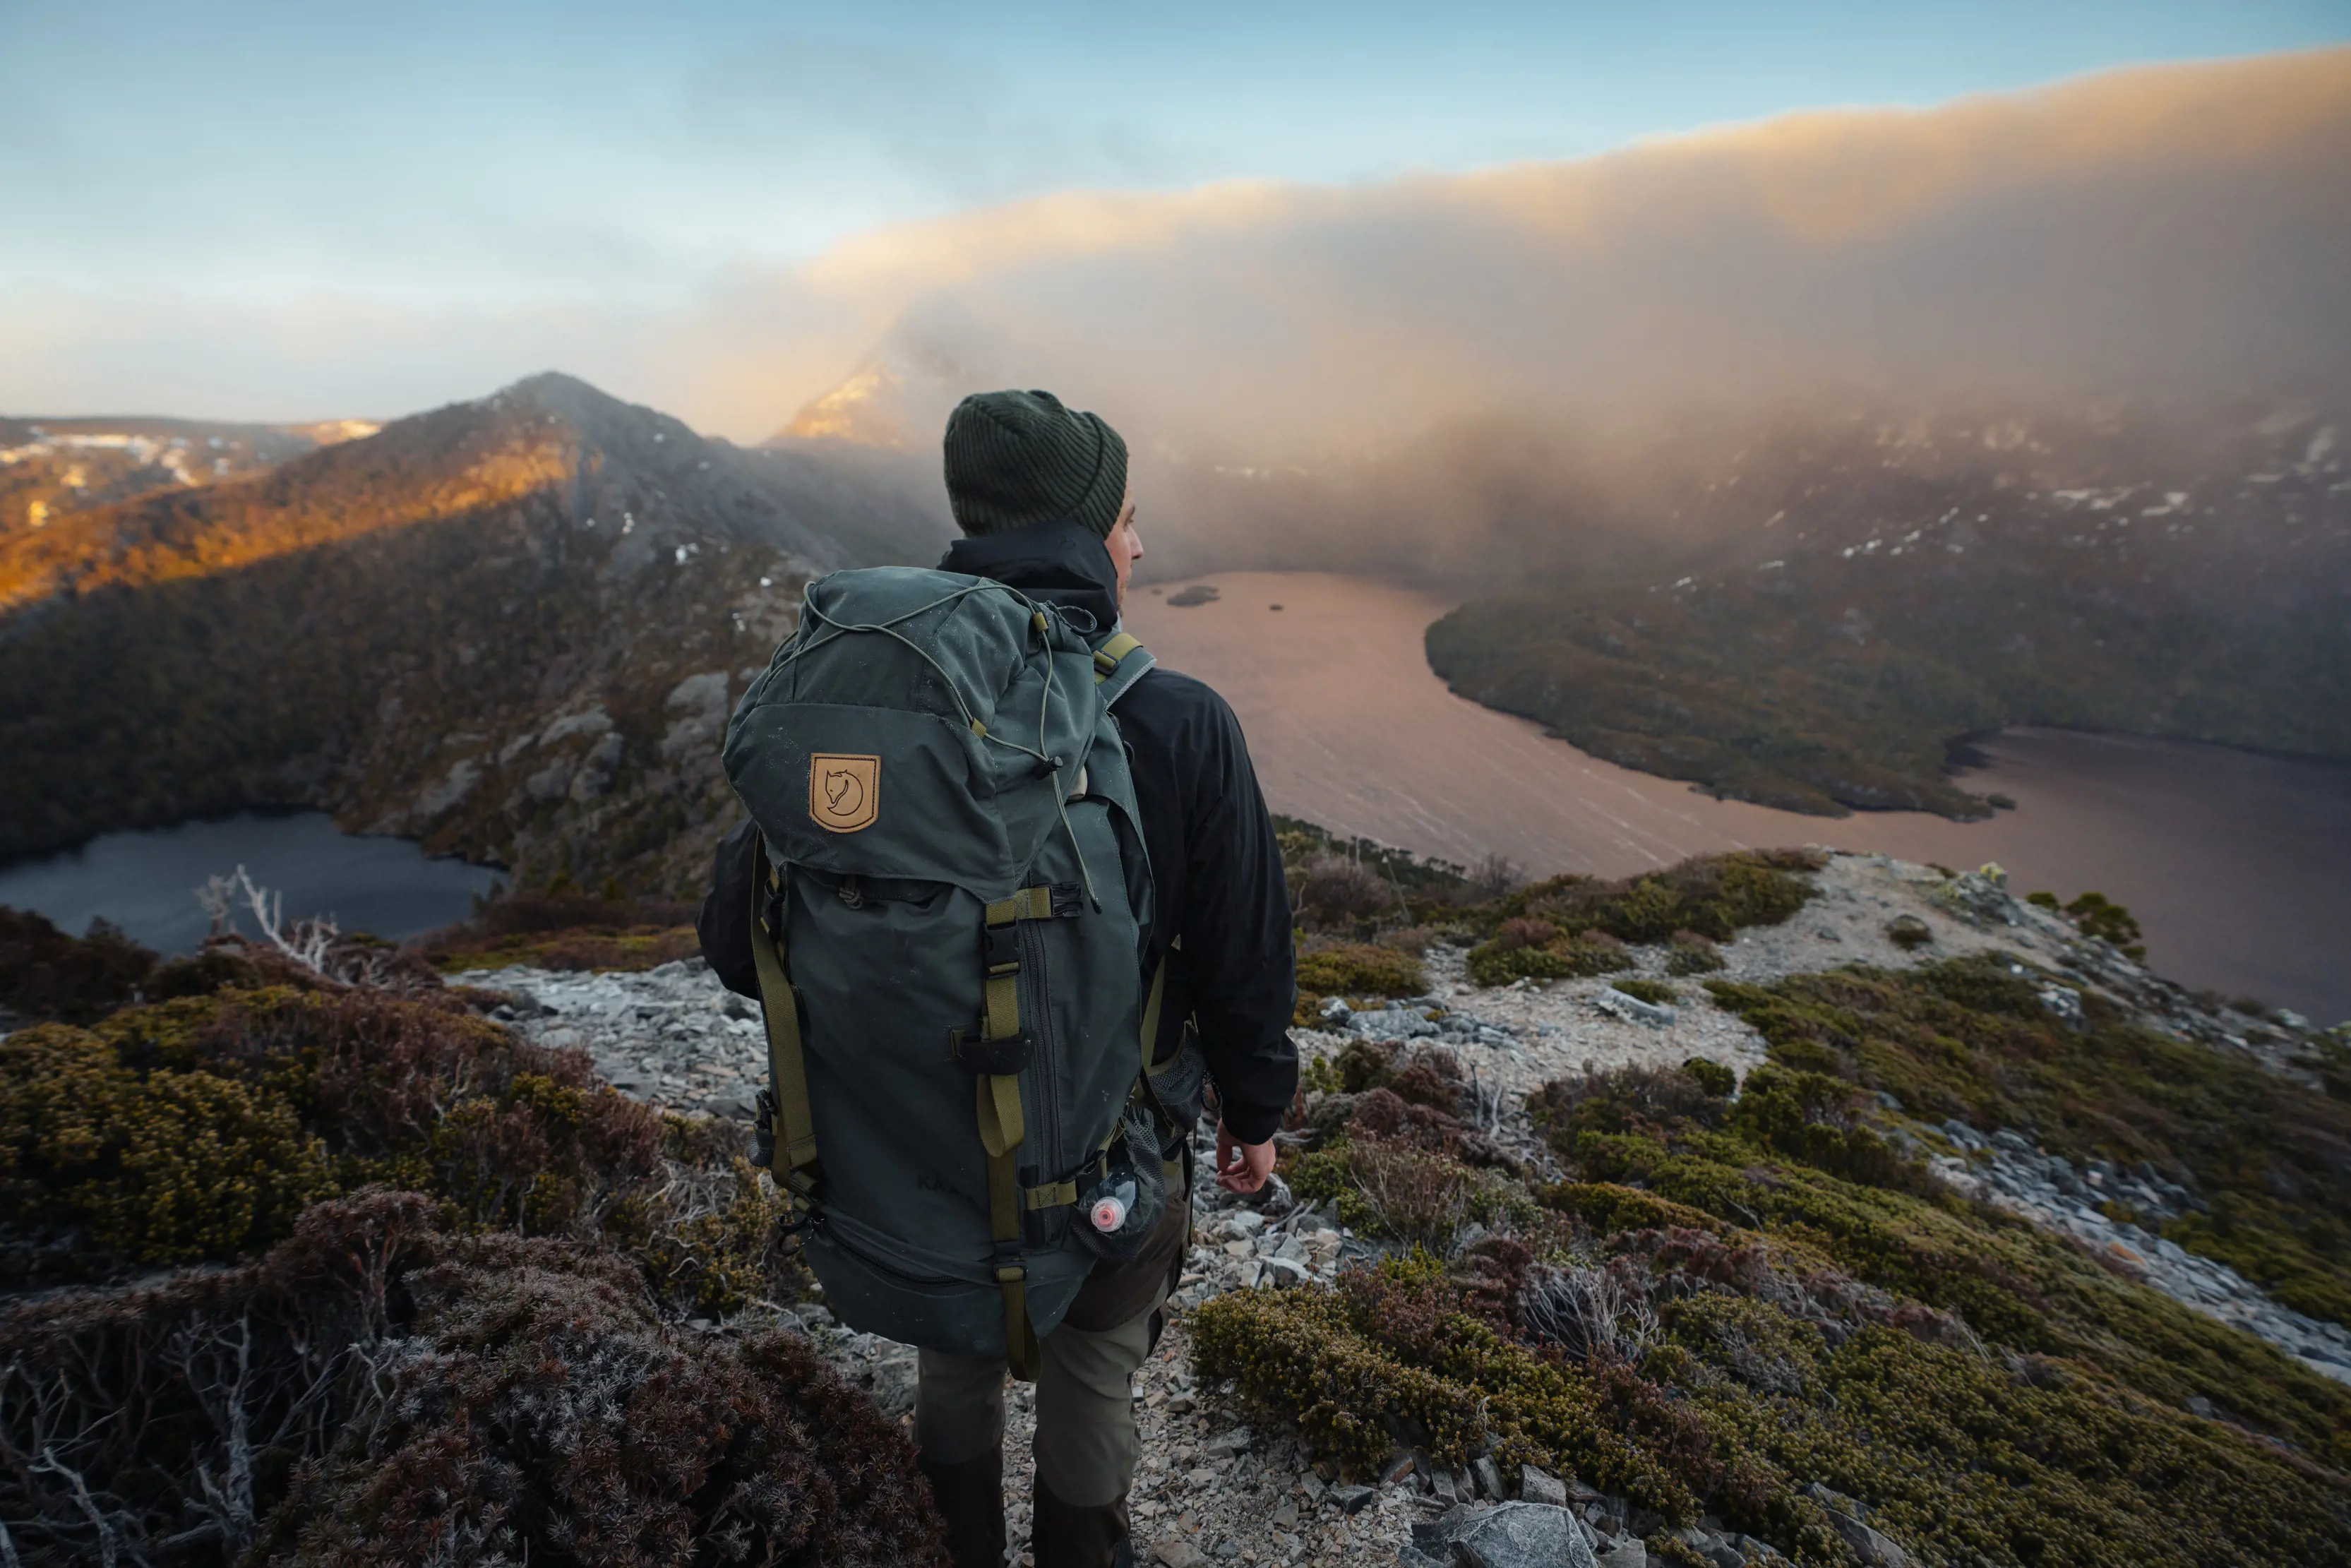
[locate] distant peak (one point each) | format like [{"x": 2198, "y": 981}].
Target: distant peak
[
  {"x": 560, "y": 394},
  {"x": 595, "y": 415}
]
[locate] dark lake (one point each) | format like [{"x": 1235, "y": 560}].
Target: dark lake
[
  {"x": 145, "y": 882},
  {"x": 2237, "y": 865}
]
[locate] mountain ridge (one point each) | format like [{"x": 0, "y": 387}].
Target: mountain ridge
[{"x": 505, "y": 627}]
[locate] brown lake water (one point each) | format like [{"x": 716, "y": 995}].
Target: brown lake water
[{"x": 2237, "y": 865}]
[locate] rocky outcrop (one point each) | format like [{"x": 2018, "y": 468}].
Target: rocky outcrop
[{"x": 2008, "y": 1171}]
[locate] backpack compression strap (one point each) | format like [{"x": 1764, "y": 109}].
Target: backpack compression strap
[
  {"x": 996, "y": 1058},
  {"x": 795, "y": 1129}
]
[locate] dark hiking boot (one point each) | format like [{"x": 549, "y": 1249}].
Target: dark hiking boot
[
  {"x": 970, "y": 1497},
  {"x": 1063, "y": 1536}
]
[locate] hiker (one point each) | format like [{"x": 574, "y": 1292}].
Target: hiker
[{"x": 1040, "y": 493}]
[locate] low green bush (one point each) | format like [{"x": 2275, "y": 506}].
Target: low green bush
[
  {"x": 2098, "y": 915},
  {"x": 197, "y": 1129},
  {"x": 1563, "y": 958},
  {"x": 159, "y": 1167},
  {"x": 1709, "y": 895},
  {"x": 1687, "y": 953},
  {"x": 1353, "y": 970},
  {"x": 564, "y": 930},
  {"x": 1692, "y": 907},
  {"x": 1400, "y": 1188},
  {"x": 1969, "y": 1038},
  {"x": 1784, "y": 1302},
  {"x": 1656, "y": 991},
  {"x": 2012, "y": 1283}
]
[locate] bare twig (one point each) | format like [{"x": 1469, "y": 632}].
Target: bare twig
[
  {"x": 1590, "y": 1312},
  {"x": 307, "y": 941},
  {"x": 108, "y": 1545},
  {"x": 228, "y": 1499}
]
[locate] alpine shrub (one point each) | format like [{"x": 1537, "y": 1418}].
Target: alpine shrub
[{"x": 538, "y": 1408}]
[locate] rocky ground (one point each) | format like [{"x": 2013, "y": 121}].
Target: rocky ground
[{"x": 1212, "y": 1490}]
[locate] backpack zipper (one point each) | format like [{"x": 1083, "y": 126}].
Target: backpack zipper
[{"x": 882, "y": 1266}]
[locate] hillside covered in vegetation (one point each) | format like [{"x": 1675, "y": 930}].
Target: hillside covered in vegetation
[
  {"x": 1833, "y": 606},
  {"x": 1774, "y": 1309},
  {"x": 510, "y": 628},
  {"x": 1758, "y": 1314}
]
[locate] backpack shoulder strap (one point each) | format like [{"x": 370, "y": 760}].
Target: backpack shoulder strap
[{"x": 1118, "y": 664}]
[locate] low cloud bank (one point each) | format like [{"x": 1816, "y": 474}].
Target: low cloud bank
[{"x": 2176, "y": 233}]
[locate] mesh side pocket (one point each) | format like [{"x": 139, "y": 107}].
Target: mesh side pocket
[{"x": 1134, "y": 1157}]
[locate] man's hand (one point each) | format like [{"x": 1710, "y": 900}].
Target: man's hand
[{"x": 1242, "y": 1167}]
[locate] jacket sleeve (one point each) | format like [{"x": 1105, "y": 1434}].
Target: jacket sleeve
[
  {"x": 724, "y": 923},
  {"x": 1240, "y": 971}
]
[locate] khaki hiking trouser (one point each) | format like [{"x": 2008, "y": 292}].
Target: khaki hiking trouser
[{"x": 1086, "y": 1444}]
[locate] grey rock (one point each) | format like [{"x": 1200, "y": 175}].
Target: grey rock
[
  {"x": 595, "y": 721},
  {"x": 1412, "y": 1557},
  {"x": 1980, "y": 898},
  {"x": 2065, "y": 1002},
  {"x": 1286, "y": 1270},
  {"x": 892, "y": 1381},
  {"x": 595, "y": 775},
  {"x": 1390, "y": 1023},
  {"x": 701, "y": 702},
  {"x": 454, "y": 786},
  {"x": 1505, "y": 1535},
  {"x": 549, "y": 782},
  {"x": 1231, "y": 1442},
  {"x": 1632, "y": 1010},
  {"x": 1874, "y": 1549},
  {"x": 1177, "y": 1552},
  {"x": 1541, "y": 1486},
  {"x": 1489, "y": 1476},
  {"x": 1628, "y": 1552},
  {"x": 1350, "y": 1499}
]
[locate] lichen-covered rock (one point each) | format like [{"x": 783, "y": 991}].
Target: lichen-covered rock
[
  {"x": 1979, "y": 897},
  {"x": 1505, "y": 1535}
]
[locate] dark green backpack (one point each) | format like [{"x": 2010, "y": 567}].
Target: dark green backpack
[{"x": 951, "y": 923}]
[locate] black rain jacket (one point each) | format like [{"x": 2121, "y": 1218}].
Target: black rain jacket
[{"x": 1216, "y": 869}]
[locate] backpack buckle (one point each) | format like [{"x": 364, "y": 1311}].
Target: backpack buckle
[
  {"x": 1067, "y": 896},
  {"x": 991, "y": 1058},
  {"x": 999, "y": 947}
]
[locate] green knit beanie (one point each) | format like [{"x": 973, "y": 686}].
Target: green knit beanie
[{"x": 1015, "y": 458}]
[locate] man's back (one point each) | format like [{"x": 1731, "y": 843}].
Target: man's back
[{"x": 1040, "y": 491}]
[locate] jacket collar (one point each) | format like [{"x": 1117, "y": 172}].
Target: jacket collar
[{"x": 1061, "y": 563}]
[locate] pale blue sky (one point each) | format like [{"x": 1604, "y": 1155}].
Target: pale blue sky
[
  {"x": 279, "y": 211},
  {"x": 491, "y": 155}
]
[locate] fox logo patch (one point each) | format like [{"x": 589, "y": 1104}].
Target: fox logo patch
[{"x": 845, "y": 792}]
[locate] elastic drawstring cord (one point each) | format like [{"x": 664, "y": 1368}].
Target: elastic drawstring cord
[
  {"x": 1044, "y": 701},
  {"x": 1061, "y": 796}
]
